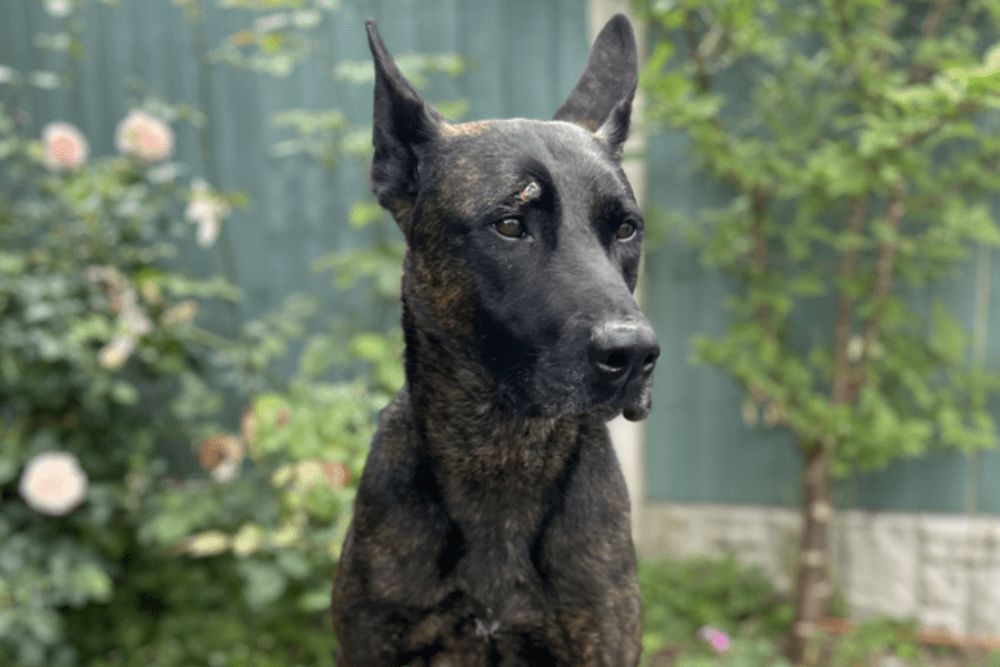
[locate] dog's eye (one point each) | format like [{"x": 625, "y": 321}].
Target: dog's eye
[
  {"x": 510, "y": 227},
  {"x": 625, "y": 231}
]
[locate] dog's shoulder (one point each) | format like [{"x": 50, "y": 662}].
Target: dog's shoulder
[
  {"x": 392, "y": 460},
  {"x": 397, "y": 487}
]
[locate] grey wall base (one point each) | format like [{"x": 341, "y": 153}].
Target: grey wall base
[{"x": 944, "y": 570}]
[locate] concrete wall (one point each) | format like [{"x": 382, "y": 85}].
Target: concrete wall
[{"x": 942, "y": 569}]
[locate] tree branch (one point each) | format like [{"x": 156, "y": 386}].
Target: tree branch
[
  {"x": 759, "y": 260},
  {"x": 883, "y": 271},
  {"x": 842, "y": 330},
  {"x": 704, "y": 82},
  {"x": 932, "y": 23}
]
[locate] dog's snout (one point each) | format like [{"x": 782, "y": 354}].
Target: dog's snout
[{"x": 620, "y": 349}]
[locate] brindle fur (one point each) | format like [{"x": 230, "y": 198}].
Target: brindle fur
[{"x": 491, "y": 525}]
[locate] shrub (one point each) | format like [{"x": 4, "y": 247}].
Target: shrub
[
  {"x": 132, "y": 529},
  {"x": 680, "y": 597}
]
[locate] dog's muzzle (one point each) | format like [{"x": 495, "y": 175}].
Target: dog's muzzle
[{"x": 623, "y": 355}]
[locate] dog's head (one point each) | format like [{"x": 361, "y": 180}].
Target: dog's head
[{"x": 524, "y": 237}]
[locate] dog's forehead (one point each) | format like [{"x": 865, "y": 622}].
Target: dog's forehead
[{"x": 491, "y": 160}]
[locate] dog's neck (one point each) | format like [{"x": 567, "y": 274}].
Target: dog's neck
[{"x": 494, "y": 452}]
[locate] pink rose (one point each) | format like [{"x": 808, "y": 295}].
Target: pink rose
[
  {"x": 65, "y": 147},
  {"x": 145, "y": 136}
]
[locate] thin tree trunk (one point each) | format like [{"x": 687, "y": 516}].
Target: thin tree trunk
[{"x": 812, "y": 593}]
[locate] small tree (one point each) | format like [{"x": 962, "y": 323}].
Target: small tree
[{"x": 857, "y": 145}]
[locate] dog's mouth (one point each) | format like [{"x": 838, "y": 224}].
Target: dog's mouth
[
  {"x": 634, "y": 399},
  {"x": 578, "y": 395},
  {"x": 640, "y": 409}
]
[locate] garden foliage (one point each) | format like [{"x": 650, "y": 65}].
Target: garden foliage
[
  {"x": 680, "y": 597},
  {"x": 858, "y": 158},
  {"x": 854, "y": 148},
  {"x": 139, "y": 523}
]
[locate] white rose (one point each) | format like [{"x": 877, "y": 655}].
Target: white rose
[
  {"x": 205, "y": 209},
  {"x": 53, "y": 483}
]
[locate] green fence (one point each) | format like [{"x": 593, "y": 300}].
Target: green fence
[
  {"x": 517, "y": 67},
  {"x": 524, "y": 56},
  {"x": 698, "y": 448}
]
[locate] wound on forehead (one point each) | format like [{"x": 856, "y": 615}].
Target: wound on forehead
[{"x": 530, "y": 193}]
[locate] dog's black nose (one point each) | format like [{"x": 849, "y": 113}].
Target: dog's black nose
[{"x": 619, "y": 349}]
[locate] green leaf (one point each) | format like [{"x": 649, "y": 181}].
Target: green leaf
[
  {"x": 11, "y": 263},
  {"x": 391, "y": 376},
  {"x": 807, "y": 284},
  {"x": 90, "y": 582},
  {"x": 124, "y": 393},
  {"x": 265, "y": 583},
  {"x": 948, "y": 338},
  {"x": 363, "y": 213},
  {"x": 208, "y": 543},
  {"x": 247, "y": 540},
  {"x": 354, "y": 71},
  {"x": 272, "y": 42},
  {"x": 369, "y": 346},
  {"x": 166, "y": 529},
  {"x": 315, "y": 601},
  {"x": 319, "y": 355},
  {"x": 271, "y": 409},
  {"x": 9, "y": 367},
  {"x": 454, "y": 110},
  {"x": 294, "y": 563}
]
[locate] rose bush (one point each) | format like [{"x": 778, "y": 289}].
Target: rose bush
[
  {"x": 104, "y": 409},
  {"x": 139, "y": 525}
]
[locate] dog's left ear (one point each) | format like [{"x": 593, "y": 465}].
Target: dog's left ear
[{"x": 602, "y": 99}]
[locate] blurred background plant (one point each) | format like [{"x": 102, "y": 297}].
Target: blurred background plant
[
  {"x": 716, "y": 611},
  {"x": 141, "y": 523},
  {"x": 703, "y": 612},
  {"x": 711, "y": 598},
  {"x": 853, "y": 146}
]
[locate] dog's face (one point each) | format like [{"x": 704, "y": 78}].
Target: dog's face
[{"x": 524, "y": 237}]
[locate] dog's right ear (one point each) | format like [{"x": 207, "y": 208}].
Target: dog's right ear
[{"x": 402, "y": 122}]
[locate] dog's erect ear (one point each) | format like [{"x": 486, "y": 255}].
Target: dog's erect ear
[
  {"x": 602, "y": 99},
  {"x": 402, "y": 122}
]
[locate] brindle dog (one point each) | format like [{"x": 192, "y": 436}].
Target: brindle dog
[{"x": 492, "y": 521}]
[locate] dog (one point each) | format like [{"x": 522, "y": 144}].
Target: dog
[{"x": 491, "y": 524}]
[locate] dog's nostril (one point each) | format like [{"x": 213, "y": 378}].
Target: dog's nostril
[
  {"x": 650, "y": 361},
  {"x": 616, "y": 360}
]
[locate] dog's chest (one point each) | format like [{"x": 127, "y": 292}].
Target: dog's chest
[{"x": 498, "y": 571}]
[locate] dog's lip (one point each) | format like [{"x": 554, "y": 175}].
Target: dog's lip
[
  {"x": 632, "y": 400},
  {"x": 636, "y": 413},
  {"x": 635, "y": 395}
]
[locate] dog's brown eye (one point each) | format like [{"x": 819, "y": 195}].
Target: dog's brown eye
[
  {"x": 511, "y": 228},
  {"x": 625, "y": 231}
]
